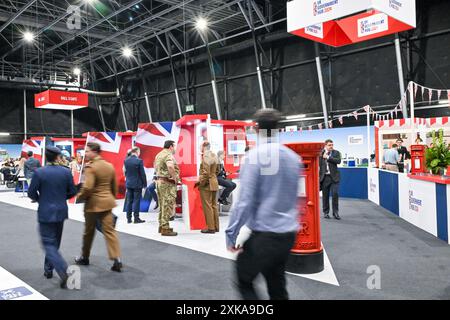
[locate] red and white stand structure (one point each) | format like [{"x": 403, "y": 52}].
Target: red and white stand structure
[{"x": 342, "y": 22}]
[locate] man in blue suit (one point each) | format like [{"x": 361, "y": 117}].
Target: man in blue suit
[
  {"x": 135, "y": 181},
  {"x": 51, "y": 186}
]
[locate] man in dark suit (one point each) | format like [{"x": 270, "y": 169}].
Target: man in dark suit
[
  {"x": 404, "y": 155},
  {"x": 135, "y": 181},
  {"x": 329, "y": 179},
  {"x": 30, "y": 167},
  {"x": 51, "y": 186}
]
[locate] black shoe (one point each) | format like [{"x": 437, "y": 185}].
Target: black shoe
[
  {"x": 63, "y": 283},
  {"x": 48, "y": 274},
  {"x": 138, "y": 220},
  {"x": 172, "y": 218},
  {"x": 117, "y": 266},
  {"x": 326, "y": 216},
  {"x": 336, "y": 216},
  {"x": 82, "y": 261}
]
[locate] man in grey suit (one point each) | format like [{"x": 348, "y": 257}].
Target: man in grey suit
[
  {"x": 30, "y": 167},
  {"x": 329, "y": 179}
]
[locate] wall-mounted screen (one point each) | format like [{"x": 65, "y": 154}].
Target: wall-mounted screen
[{"x": 236, "y": 147}]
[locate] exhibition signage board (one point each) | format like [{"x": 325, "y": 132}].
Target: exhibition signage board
[
  {"x": 61, "y": 100},
  {"x": 422, "y": 203},
  {"x": 342, "y": 22}
]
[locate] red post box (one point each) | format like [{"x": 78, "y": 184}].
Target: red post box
[
  {"x": 418, "y": 159},
  {"x": 307, "y": 254}
]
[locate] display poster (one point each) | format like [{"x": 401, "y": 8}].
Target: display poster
[
  {"x": 373, "y": 186},
  {"x": 418, "y": 203}
]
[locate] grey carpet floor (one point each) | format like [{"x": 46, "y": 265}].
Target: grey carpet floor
[{"x": 413, "y": 263}]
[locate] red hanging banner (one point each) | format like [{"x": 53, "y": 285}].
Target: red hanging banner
[{"x": 61, "y": 100}]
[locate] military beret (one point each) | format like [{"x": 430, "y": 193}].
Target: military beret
[{"x": 54, "y": 150}]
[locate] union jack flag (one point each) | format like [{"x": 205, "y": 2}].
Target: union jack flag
[
  {"x": 150, "y": 139},
  {"x": 114, "y": 148},
  {"x": 34, "y": 145}
]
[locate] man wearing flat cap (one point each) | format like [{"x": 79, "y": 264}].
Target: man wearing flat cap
[{"x": 51, "y": 186}]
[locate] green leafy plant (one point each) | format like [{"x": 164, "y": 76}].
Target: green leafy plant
[{"x": 438, "y": 156}]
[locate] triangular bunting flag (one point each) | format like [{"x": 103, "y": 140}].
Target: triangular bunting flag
[
  {"x": 448, "y": 95},
  {"x": 423, "y": 93},
  {"x": 366, "y": 108},
  {"x": 416, "y": 86},
  {"x": 430, "y": 94},
  {"x": 396, "y": 110},
  {"x": 355, "y": 114},
  {"x": 320, "y": 126},
  {"x": 439, "y": 94},
  {"x": 330, "y": 124},
  {"x": 341, "y": 118}
]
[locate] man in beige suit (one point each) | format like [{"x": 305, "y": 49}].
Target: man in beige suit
[
  {"x": 208, "y": 187},
  {"x": 99, "y": 192}
]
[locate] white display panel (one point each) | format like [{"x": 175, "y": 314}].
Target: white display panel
[
  {"x": 417, "y": 203},
  {"x": 216, "y": 138},
  {"x": 304, "y": 13},
  {"x": 402, "y": 10},
  {"x": 373, "y": 185}
]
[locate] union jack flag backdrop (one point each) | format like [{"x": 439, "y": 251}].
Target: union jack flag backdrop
[
  {"x": 150, "y": 139},
  {"x": 114, "y": 148},
  {"x": 36, "y": 145}
]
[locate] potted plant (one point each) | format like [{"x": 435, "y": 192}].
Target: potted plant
[{"x": 438, "y": 156}]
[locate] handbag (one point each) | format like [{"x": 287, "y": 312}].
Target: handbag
[{"x": 98, "y": 224}]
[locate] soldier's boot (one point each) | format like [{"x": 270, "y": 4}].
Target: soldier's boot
[
  {"x": 160, "y": 228},
  {"x": 168, "y": 232}
]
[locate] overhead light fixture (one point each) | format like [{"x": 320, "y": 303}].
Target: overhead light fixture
[
  {"x": 89, "y": 1},
  {"x": 127, "y": 52},
  {"x": 298, "y": 116},
  {"x": 4, "y": 133},
  {"x": 201, "y": 24},
  {"x": 76, "y": 71},
  {"x": 248, "y": 121},
  {"x": 28, "y": 36}
]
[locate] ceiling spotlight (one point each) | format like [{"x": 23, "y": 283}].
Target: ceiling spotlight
[
  {"x": 28, "y": 36},
  {"x": 76, "y": 71},
  {"x": 89, "y": 1},
  {"x": 201, "y": 24},
  {"x": 127, "y": 52}
]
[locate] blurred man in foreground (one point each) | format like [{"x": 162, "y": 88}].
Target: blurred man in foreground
[
  {"x": 51, "y": 186},
  {"x": 269, "y": 212}
]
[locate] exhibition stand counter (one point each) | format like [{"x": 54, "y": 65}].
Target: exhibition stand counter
[{"x": 419, "y": 199}]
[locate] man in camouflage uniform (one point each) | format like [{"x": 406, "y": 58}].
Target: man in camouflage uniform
[{"x": 168, "y": 174}]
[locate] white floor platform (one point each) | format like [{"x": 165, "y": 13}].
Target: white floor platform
[
  {"x": 12, "y": 288},
  {"x": 213, "y": 244}
]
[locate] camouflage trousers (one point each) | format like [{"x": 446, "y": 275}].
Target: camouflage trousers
[{"x": 167, "y": 196}]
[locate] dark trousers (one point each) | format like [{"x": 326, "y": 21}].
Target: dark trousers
[
  {"x": 228, "y": 185},
  {"x": 328, "y": 186},
  {"x": 401, "y": 167},
  {"x": 51, "y": 234},
  {"x": 266, "y": 253},
  {"x": 133, "y": 200}
]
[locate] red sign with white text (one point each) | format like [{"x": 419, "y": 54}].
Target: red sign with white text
[{"x": 61, "y": 100}]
